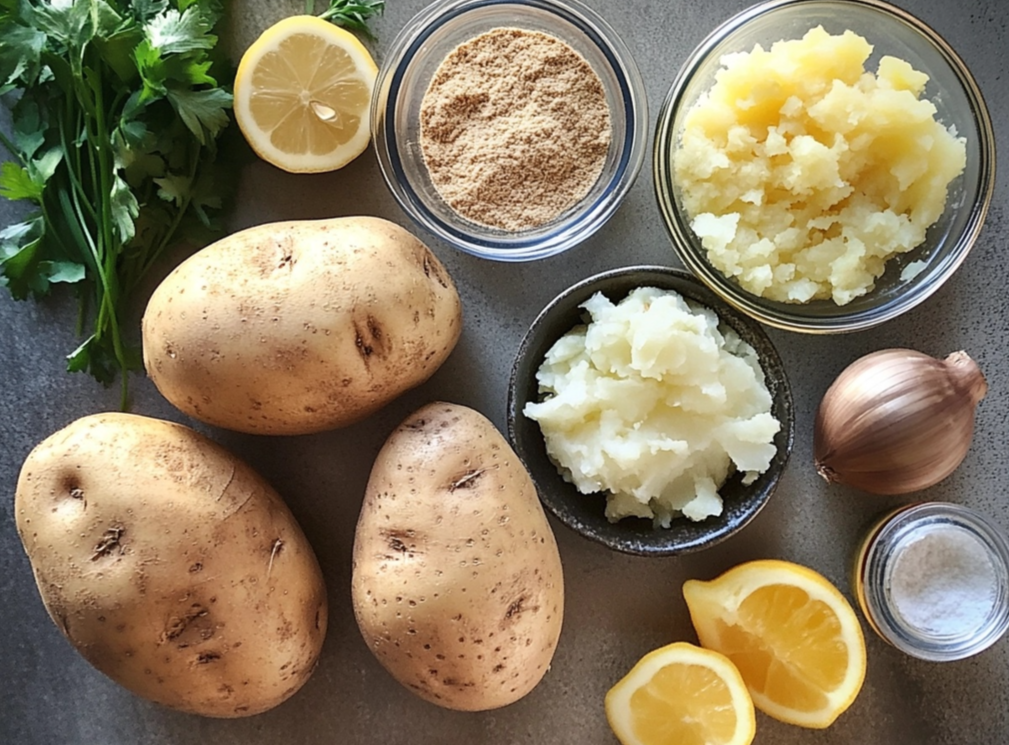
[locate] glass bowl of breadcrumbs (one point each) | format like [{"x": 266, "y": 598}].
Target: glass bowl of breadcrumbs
[{"x": 511, "y": 130}]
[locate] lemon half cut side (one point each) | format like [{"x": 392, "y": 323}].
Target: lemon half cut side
[
  {"x": 303, "y": 95},
  {"x": 792, "y": 634},
  {"x": 681, "y": 694}
]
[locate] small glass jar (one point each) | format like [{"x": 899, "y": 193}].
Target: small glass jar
[{"x": 933, "y": 580}]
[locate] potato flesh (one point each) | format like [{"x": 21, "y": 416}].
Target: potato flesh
[
  {"x": 457, "y": 582},
  {"x": 299, "y": 327},
  {"x": 171, "y": 566},
  {"x": 803, "y": 174},
  {"x": 654, "y": 402}
]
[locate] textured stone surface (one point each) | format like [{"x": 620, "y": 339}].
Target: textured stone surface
[{"x": 618, "y": 607}]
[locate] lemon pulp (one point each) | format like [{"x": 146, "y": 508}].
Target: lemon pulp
[
  {"x": 681, "y": 695},
  {"x": 792, "y": 635}
]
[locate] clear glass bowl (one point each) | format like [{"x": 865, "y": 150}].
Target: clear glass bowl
[
  {"x": 404, "y": 78},
  {"x": 951, "y": 88}
]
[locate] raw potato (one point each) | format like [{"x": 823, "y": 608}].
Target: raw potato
[
  {"x": 171, "y": 565},
  {"x": 300, "y": 327},
  {"x": 457, "y": 582}
]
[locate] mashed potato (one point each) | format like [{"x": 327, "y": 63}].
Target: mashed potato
[
  {"x": 654, "y": 402},
  {"x": 802, "y": 173}
]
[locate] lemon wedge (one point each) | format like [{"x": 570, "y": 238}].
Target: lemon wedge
[
  {"x": 793, "y": 636},
  {"x": 681, "y": 695},
  {"x": 303, "y": 95}
]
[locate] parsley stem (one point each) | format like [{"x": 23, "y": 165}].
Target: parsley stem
[
  {"x": 79, "y": 226},
  {"x": 82, "y": 309},
  {"x": 102, "y": 145},
  {"x": 75, "y": 170},
  {"x": 13, "y": 149},
  {"x": 82, "y": 128},
  {"x": 75, "y": 222},
  {"x": 103, "y": 245},
  {"x": 310, "y": 7},
  {"x": 166, "y": 239},
  {"x": 47, "y": 218},
  {"x": 179, "y": 214}
]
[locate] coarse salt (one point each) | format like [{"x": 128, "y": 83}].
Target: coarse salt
[{"x": 942, "y": 582}]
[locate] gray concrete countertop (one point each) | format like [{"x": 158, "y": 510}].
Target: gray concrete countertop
[{"x": 618, "y": 607}]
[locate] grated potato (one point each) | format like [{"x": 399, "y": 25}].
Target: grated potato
[
  {"x": 803, "y": 173},
  {"x": 654, "y": 403}
]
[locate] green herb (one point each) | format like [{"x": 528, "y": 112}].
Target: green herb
[
  {"x": 352, "y": 14},
  {"x": 114, "y": 138}
]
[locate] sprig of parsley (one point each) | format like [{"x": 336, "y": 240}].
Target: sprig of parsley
[
  {"x": 116, "y": 106},
  {"x": 352, "y": 14}
]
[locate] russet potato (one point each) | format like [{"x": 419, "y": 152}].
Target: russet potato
[
  {"x": 298, "y": 327},
  {"x": 171, "y": 565},
  {"x": 457, "y": 583}
]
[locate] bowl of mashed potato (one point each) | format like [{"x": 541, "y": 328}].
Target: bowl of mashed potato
[
  {"x": 653, "y": 418},
  {"x": 824, "y": 165}
]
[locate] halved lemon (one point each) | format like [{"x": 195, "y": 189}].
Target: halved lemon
[
  {"x": 793, "y": 636},
  {"x": 681, "y": 695},
  {"x": 303, "y": 95}
]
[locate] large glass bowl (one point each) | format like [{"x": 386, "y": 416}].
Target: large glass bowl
[
  {"x": 406, "y": 74},
  {"x": 959, "y": 104}
]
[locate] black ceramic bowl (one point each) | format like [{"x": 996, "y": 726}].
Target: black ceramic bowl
[{"x": 586, "y": 513}]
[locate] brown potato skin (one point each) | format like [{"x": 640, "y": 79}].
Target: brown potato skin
[
  {"x": 298, "y": 327},
  {"x": 457, "y": 582},
  {"x": 171, "y": 565}
]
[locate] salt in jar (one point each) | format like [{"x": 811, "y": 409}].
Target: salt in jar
[{"x": 933, "y": 580}]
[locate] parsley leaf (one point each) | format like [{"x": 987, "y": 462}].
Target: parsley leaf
[
  {"x": 104, "y": 19},
  {"x": 203, "y": 111},
  {"x": 94, "y": 358},
  {"x": 173, "y": 32},
  {"x": 19, "y": 246},
  {"x": 29, "y": 131},
  {"x": 174, "y": 188},
  {"x": 143, "y": 10},
  {"x": 352, "y": 14},
  {"x": 62, "y": 271},
  {"x": 123, "y": 208},
  {"x": 17, "y": 183},
  {"x": 43, "y": 168},
  {"x": 20, "y": 52},
  {"x": 65, "y": 22}
]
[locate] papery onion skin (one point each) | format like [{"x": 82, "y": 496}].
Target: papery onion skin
[{"x": 897, "y": 420}]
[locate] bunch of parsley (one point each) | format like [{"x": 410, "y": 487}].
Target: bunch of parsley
[{"x": 115, "y": 106}]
